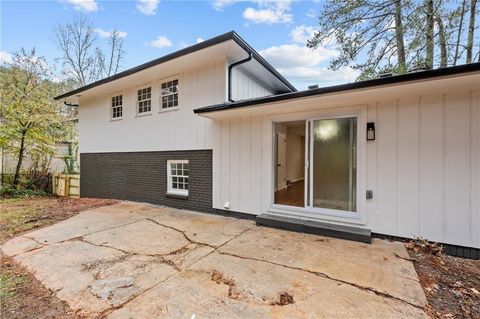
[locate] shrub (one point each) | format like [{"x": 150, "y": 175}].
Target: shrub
[{"x": 9, "y": 192}]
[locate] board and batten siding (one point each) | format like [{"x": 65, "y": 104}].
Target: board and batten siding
[
  {"x": 244, "y": 86},
  {"x": 423, "y": 167}
]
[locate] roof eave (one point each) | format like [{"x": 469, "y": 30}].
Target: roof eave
[
  {"x": 232, "y": 35},
  {"x": 398, "y": 79}
]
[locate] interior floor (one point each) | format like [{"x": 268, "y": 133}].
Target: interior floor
[{"x": 292, "y": 195}]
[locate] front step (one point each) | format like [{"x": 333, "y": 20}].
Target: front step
[{"x": 314, "y": 227}]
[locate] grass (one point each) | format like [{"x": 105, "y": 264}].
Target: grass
[
  {"x": 9, "y": 284},
  {"x": 16, "y": 216}
]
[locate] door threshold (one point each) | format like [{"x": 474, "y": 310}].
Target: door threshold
[{"x": 314, "y": 227}]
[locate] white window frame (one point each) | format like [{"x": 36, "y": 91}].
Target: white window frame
[
  {"x": 145, "y": 86},
  {"x": 161, "y": 95},
  {"x": 170, "y": 189},
  {"x": 111, "y": 107}
]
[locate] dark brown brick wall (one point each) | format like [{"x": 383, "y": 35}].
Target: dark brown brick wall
[{"x": 142, "y": 177}]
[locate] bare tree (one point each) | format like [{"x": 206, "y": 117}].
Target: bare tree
[
  {"x": 81, "y": 58},
  {"x": 442, "y": 41},
  {"x": 459, "y": 34},
  {"x": 471, "y": 30},
  {"x": 430, "y": 33}
]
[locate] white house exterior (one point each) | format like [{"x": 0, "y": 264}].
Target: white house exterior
[{"x": 210, "y": 144}]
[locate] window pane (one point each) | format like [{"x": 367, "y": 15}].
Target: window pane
[{"x": 334, "y": 163}]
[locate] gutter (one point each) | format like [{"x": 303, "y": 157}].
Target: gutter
[
  {"x": 391, "y": 80},
  {"x": 230, "y": 68}
]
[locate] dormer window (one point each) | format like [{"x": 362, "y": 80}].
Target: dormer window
[
  {"x": 169, "y": 95},
  {"x": 144, "y": 100}
]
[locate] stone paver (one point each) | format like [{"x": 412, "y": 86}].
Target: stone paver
[{"x": 134, "y": 260}]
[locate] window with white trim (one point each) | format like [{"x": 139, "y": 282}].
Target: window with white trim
[
  {"x": 144, "y": 100},
  {"x": 117, "y": 107},
  {"x": 169, "y": 94},
  {"x": 177, "y": 175}
]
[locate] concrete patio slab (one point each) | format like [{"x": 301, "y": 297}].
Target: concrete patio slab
[
  {"x": 142, "y": 237},
  {"x": 202, "y": 228},
  {"x": 382, "y": 266},
  {"x": 142, "y": 261}
]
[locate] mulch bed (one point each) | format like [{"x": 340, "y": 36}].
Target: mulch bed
[{"x": 451, "y": 284}]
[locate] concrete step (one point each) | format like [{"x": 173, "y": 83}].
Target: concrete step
[{"x": 313, "y": 227}]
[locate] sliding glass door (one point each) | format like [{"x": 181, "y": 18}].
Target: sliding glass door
[
  {"x": 316, "y": 165},
  {"x": 333, "y": 164}
]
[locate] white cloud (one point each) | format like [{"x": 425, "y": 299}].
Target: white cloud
[
  {"x": 269, "y": 12},
  {"x": 84, "y": 5},
  {"x": 199, "y": 40},
  {"x": 312, "y": 13},
  {"x": 320, "y": 75},
  {"x": 219, "y": 5},
  {"x": 304, "y": 66},
  {"x": 161, "y": 42},
  {"x": 106, "y": 34},
  {"x": 147, "y": 7},
  {"x": 294, "y": 55},
  {"x": 5, "y": 57},
  {"x": 302, "y": 33}
]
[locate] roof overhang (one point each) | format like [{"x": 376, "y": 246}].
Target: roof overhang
[
  {"x": 406, "y": 84},
  {"x": 229, "y": 46}
]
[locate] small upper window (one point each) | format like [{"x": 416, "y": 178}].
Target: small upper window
[
  {"x": 169, "y": 94},
  {"x": 177, "y": 175},
  {"x": 144, "y": 100},
  {"x": 117, "y": 107}
]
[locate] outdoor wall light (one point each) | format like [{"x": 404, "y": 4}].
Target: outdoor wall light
[{"x": 370, "y": 131}]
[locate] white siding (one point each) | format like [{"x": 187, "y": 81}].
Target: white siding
[
  {"x": 172, "y": 130},
  {"x": 424, "y": 166},
  {"x": 244, "y": 86}
]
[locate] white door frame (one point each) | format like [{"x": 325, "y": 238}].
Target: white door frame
[{"x": 308, "y": 212}]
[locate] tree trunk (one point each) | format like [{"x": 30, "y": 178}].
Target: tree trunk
[
  {"x": 430, "y": 22},
  {"x": 459, "y": 34},
  {"x": 442, "y": 42},
  {"x": 402, "y": 65},
  {"x": 20, "y": 160},
  {"x": 471, "y": 30}
]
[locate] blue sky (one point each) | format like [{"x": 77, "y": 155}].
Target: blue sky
[{"x": 277, "y": 29}]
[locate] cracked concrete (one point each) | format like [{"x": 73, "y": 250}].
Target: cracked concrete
[{"x": 134, "y": 260}]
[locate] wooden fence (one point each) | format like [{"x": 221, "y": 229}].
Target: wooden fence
[{"x": 66, "y": 185}]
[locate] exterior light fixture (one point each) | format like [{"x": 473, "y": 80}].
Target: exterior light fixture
[{"x": 370, "y": 131}]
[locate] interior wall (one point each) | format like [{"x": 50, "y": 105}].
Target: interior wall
[{"x": 295, "y": 155}]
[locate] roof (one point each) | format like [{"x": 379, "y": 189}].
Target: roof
[
  {"x": 390, "y": 80},
  {"x": 232, "y": 35}
]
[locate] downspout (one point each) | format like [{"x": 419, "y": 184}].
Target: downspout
[{"x": 230, "y": 67}]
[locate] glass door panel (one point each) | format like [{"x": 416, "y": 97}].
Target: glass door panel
[{"x": 334, "y": 163}]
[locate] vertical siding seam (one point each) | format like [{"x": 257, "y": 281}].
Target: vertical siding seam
[
  {"x": 250, "y": 162},
  {"x": 396, "y": 167},
  {"x": 444, "y": 155},
  {"x": 470, "y": 166},
  {"x": 419, "y": 176}
]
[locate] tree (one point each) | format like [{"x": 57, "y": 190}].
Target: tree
[
  {"x": 81, "y": 59},
  {"x": 471, "y": 30},
  {"x": 377, "y": 36},
  {"x": 373, "y": 28},
  {"x": 29, "y": 116}
]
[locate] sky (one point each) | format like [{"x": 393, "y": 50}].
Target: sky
[{"x": 278, "y": 30}]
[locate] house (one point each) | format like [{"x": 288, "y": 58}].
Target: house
[{"x": 215, "y": 128}]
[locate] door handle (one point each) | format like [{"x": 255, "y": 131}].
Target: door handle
[{"x": 279, "y": 164}]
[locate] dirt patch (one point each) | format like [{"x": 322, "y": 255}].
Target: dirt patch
[
  {"x": 284, "y": 299},
  {"x": 21, "y": 215},
  {"x": 21, "y": 295},
  {"x": 451, "y": 284}
]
